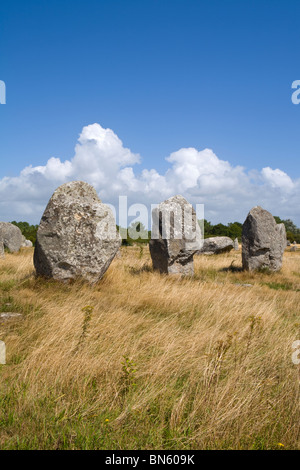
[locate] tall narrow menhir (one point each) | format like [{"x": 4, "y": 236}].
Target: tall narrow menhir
[{"x": 175, "y": 237}]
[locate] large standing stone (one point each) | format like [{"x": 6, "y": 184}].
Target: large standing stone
[
  {"x": 11, "y": 236},
  {"x": 176, "y": 237},
  {"x": 216, "y": 245},
  {"x": 263, "y": 241},
  {"x": 77, "y": 236}
]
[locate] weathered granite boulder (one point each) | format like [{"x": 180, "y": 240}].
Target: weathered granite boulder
[
  {"x": 77, "y": 236},
  {"x": 263, "y": 241},
  {"x": 236, "y": 244},
  {"x": 176, "y": 236},
  {"x": 26, "y": 243},
  {"x": 216, "y": 245},
  {"x": 11, "y": 236}
]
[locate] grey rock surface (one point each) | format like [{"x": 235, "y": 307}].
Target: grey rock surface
[
  {"x": 282, "y": 237},
  {"x": 263, "y": 241},
  {"x": 236, "y": 244},
  {"x": 216, "y": 245},
  {"x": 2, "y": 255},
  {"x": 10, "y": 315},
  {"x": 27, "y": 243},
  {"x": 77, "y": 235},
  {"x": 176, "y": 236},
  {"x": 11, "y": 236}
]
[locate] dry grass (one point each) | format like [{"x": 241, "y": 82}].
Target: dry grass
[{"x": 146, "y": 361}]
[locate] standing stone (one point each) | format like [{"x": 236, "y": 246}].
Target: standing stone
[
  {"x": 293, "y": 248},
  {"x": 77, "y": 235},
  {"x": 11, "y": 236},
  {"x": 216, "y": 246},
  {"x": 282, "y": 237},
  {"x": 263, "y": 241},
  {"x": 236, "y": 244},
  {"x": 176, "y": 237}
]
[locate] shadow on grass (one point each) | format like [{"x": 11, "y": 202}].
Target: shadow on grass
[
  {"x": 136, "y": 271},
  {"x": 232, "y": 269}
]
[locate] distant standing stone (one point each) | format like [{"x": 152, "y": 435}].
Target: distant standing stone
[
  {"x": 263, "y": 241},
  {"x": 236, "y": 244},
  {"x": 11, "y": 236},
  {"x": 77, "y": 235},
  {"x": 293, "y": 248},
  {"x": 27, "y": 243},
  {"x": 176, "y": 237}
]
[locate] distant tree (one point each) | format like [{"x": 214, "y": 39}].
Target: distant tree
[
  {"x": 290, "y": 236},
  {"x": 232, "y": 230},
  {"x": 292, "y": 231},
  {"x": 29, "y": 231},
  {"x": 235, "y": 230},
  {"x": 207, "y": 227},
  {"x": 136, "y": 233}
]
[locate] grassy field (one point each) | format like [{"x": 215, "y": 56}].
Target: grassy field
[{"x": 147, "y": 361}]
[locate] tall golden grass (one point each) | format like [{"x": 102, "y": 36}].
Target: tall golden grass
[{"x": 149, "y": 361}]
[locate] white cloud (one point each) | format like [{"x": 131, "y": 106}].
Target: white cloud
[
  {"x": 278, "y": 179},
  {"x": 227, "y": 191}
]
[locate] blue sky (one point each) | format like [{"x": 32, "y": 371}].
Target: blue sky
[{"x": 163, "y": 75}]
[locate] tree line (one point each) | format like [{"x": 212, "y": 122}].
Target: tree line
[
  {"x": 137, "y": 233},
  {"x": 29, "y": 231}
]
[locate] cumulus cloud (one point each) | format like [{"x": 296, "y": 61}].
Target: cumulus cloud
[
  {"x": 278, "y": 179},
  {"x": 228, "y": 192}
]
